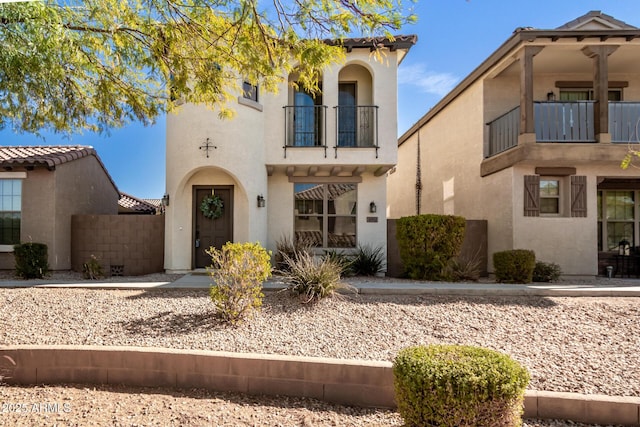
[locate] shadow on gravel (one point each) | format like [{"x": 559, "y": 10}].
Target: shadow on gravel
[
  {"x": 500, "y": 301},
  {"x": 169, "y": 293},
  {"x": 170, "y": 323}
]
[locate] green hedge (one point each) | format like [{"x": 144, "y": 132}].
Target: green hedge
[
  {"x": 428, "y": 242},
  {"x": 31, "y": 260},
  {"x": 514, "y": 266},
  {"x": 453, "y": 385}
]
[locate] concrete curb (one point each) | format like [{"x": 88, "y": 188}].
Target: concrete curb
[{"x": 348, "y": 382}]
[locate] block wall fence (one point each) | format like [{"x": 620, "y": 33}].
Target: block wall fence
[{"x": 129, "y": 245}]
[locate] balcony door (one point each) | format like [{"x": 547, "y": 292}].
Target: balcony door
[
  {"x": 347, "y": 135},
  {"x": 307, "y": 119}
]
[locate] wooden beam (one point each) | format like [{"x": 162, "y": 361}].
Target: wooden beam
[
  {"x": 313, "y": 170},
  {"x": 359, "y": 170},
  {"x": 270, "y": 170},
  {"x": 381, "y": 170},
  {"x": 290, "y": 170},
  {"x": 526, "y": 88},
  {"x": 336, "y": 170},
  {"x": 600, "y": 55}
]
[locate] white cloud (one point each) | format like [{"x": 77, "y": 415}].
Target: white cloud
[{"x": 428, "y": 81}]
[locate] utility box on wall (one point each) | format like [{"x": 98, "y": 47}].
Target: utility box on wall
[{"x": 125, "y": 245}]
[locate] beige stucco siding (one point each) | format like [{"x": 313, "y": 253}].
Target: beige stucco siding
[{"x": 49, "y": 198}]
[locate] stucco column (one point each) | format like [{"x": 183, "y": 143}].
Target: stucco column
[
  {"x": 527, "y": 125},
  {"x": 600, "y": 55}
]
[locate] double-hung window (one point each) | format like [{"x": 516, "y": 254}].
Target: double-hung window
[
  {"x": 10, "y": 211},
  {"x": 325, "y": 215}
]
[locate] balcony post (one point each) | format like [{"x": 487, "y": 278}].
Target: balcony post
[
  {"x": 527, "y": 125},
  {"x": 600, "y": 55}
]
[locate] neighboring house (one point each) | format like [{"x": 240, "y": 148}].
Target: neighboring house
[
  {"x": 129, "y": 205},
  {"x": 290, "y": 164},
  {"x": 532, "y": 142},
  {"x": 40, "y": 191}
]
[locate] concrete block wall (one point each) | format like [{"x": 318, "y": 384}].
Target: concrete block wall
[
  {"x": 135, "y": 242},
  {"x": 347, "y": 382}
]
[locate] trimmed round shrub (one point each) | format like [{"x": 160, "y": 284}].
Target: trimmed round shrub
[
  {"x": 514, "y": 266},
  {"x": 428, "y": 242},
  {"x": 455, "y": 385},
  {"x": 546, "y": 272}
]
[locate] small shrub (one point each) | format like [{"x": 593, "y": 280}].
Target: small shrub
[
  {"x": 240, "y": 269},
  {"x": 368, "y": 260},
  {"x": 344, "y": 260},
  {"x": 31, "y": 260},
  {"x": 313, "y": 278},
  {"x": 464, "y": 269},
  {"x": 92, "y": 269},
  {"x": 287, "y": 247},
  {"x": 546, "y": 272},
  {"x": 428, "y": 242},
  {"x": 514, "y": 266},
  {"x": 452, "y": 385}
]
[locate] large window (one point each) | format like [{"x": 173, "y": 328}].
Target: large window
[
  {"x": 325, "y": 215},
  {"x": 10, "y": 209},
  {"x": 617, "y": 218}
]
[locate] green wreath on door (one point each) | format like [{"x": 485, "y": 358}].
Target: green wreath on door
[{"x": 212, "y": 207}]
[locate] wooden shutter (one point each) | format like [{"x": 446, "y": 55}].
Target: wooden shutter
[
  {"x": 579, "y": 196},
  {"x": 531, "y": 195}
]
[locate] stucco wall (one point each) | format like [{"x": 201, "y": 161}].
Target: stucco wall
[
  {"x": 49, "y": 198},
  {"x": 253, "y": 140}
]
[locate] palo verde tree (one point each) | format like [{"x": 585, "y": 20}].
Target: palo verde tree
[{"x": 70, "y": 65}]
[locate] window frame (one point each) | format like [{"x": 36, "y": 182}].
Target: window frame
[
  {"x": 325, "y": 215},
  {"x": 561, "y": 197},
  {"x": 8, "y": 246},
  {"x": 603, "y": 221}
]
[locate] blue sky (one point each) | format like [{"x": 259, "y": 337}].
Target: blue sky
[{"x": 454, "y": 37}]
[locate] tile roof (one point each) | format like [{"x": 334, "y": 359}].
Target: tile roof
[
  {"x": 134, "y": 204},
  {"x": 317, "y": 192},
  {"x": 48, "y": 156},
  {"x": 398, "y": 42},
  {"x": 596, "y": 14}
]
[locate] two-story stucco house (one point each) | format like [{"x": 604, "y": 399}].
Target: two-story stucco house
[
  {"x": 288, "y": 165},
  {"x": 532, "y": 142}
]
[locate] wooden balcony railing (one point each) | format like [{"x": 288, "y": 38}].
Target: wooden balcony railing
[
  {"x": 624, "y": 122},
  {"x": 564, "y": 121},
  {"x": 554, "y": 121}
]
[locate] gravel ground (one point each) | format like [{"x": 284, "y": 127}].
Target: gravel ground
[{"x": 585, "y": 345}]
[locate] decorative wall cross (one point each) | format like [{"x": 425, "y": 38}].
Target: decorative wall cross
[{"x": 207, "y": 146}]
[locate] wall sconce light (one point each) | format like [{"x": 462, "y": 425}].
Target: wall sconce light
[
  {"x": 551, "y": 96},
  {"x": 261, "y": 201},
  {"x": 372, "y": 207},
  {"x": 165, "y": 199}
]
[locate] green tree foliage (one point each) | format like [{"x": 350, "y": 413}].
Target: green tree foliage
[{"x": 69, "y": 65}]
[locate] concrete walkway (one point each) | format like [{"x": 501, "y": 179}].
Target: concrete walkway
[{"x": 579, "y": 287}]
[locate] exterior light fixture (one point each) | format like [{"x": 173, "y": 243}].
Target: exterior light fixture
[
  {"x": 551, "y": 96},
  {"x": 165, "y": 199},
  {"x": 261, "y": 201},
  {"x": 372, "y": 207}
]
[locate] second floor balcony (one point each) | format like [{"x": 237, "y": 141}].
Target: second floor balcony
[
  {"x": 565, "y": 122},
  {"x": 356, "y": 126}
]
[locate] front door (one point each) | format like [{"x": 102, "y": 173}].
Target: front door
[{"x": 211, "y": 232}]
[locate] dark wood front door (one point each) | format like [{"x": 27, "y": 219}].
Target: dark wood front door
[{"x": 211, "y": 232}]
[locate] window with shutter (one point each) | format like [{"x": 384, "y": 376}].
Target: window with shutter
[
  {"x": 532, "y": 195},
  {"x": 579, "y": 196}
]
